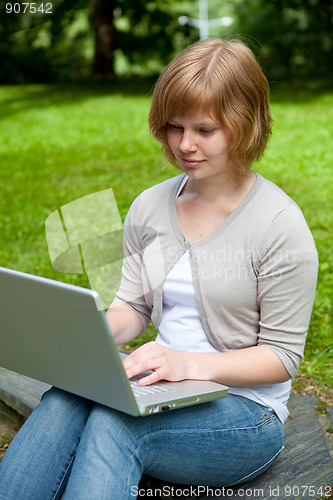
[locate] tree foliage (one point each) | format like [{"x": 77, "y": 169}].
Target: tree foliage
[
  {"x": 294, "y": 38},
  {"x": 40, "y": 47},
  {"x": 103, "y": 38},
  {"x": 99, "y": 37}
]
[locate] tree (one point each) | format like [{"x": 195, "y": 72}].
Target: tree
[
  {"x": 145, "y": 32},
  {"x": 102, "y": 14}
]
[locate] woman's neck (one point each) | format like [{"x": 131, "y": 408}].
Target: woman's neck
[{"x": 211, "y": 190}]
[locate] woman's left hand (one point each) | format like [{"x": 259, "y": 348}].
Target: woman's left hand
[{"x": 166, "y": 363}]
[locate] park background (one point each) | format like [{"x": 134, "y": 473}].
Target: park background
[{"x": 75, "y": 89}]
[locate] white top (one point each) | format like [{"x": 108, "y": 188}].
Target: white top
[{"x": 181, "y": 328}]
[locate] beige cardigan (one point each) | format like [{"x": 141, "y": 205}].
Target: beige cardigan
[{"x": 254, "y": 276}]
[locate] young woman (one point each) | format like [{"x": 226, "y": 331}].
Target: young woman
[{"x": 223, "y": 263}]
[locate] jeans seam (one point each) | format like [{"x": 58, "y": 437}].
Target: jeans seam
[
  {"x": 245, "y": 478},
  {"x": 265, "y": 413},
  {"x": 208, "y": 430},
  {"x": 138, "y": 457},
  {"x": 63, "y": 477},
  {"x": 194, "y": 431}
]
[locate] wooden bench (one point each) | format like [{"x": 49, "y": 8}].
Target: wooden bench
[{"x": 304, "y": 469}]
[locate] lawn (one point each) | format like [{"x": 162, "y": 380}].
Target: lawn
[{"x": 58, "y": 144}]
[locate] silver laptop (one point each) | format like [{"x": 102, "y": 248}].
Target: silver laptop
[{"x": 57, "y": 333}]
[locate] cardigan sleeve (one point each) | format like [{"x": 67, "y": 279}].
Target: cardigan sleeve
[
  {"x": 286, "y": 286},
  {"x": 131, "y": 290}
]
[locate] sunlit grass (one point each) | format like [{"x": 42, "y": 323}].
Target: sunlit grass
[{"x": 58, "y": 144}]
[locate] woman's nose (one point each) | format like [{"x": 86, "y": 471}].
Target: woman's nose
[{"x": 188, "y": 142}]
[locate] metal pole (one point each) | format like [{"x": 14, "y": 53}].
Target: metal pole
[
  {"x": 203, "y": 23},
  {"x": 203, "y": 19}
]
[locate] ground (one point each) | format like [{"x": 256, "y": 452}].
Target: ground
[{"x": 10, "y": 422}]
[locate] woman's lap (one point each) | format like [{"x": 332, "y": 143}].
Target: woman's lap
[{"x": 218, "y": 443}]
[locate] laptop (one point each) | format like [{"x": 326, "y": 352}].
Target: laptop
[{"x": 58, "y": 333}]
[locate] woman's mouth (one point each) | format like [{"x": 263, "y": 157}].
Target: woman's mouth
[{"x": 191, "y": 162}]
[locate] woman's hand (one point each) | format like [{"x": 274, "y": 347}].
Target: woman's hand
[
  {"x": 166, "y": 363},
  {"x": 247, "y": 367}
]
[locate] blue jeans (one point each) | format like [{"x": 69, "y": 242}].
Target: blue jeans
[{"x": 221, "y": 443}]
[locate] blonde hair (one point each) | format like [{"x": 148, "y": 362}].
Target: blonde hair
[{"x": 223, "y": 79}]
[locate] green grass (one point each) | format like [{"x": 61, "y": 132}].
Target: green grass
[{"x": 58, "y": 144}]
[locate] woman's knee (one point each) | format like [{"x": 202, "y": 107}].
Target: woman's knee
[
  {"x": 108, "y": 427},
  {"x": 61, "y": 406},
  {"x": 104, "y": 419}
]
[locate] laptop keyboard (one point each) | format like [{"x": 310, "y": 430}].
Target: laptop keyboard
[{"x": 139, "y": 390}]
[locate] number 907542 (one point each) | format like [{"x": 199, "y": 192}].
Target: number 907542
[{"x": 26, "y": 7}]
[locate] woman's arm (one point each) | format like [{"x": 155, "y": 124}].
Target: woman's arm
[
  {"x": 125, "y": 324},
  {"x": 249, "y": 367}
]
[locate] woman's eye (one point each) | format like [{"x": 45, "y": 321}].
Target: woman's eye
[
  {"x": 174, "y": 127},
  {"x": 206, "y": 131}
]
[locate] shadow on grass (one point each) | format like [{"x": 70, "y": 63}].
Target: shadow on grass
[
  {"x": 32, "y": 96},
  {"x": 299, "y": 91}
]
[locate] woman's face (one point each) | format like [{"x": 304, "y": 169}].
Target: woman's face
[{"x": 200, "y": 145}]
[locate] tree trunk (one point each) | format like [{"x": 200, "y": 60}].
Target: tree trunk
[{"x": 102, "y": 20}]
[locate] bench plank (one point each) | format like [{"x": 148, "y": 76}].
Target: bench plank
[{"x": 20, "y": 392}]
